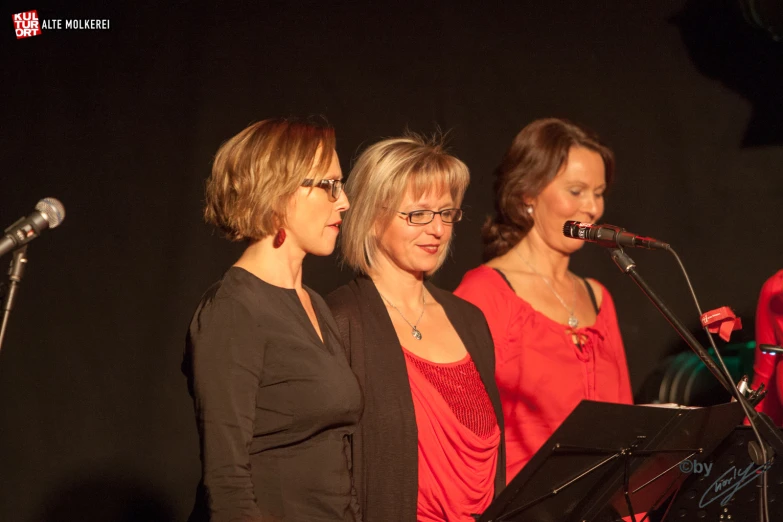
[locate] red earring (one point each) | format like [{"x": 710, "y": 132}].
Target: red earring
[{"x": 279, "y": 238}]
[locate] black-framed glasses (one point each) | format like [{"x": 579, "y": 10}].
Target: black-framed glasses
[
  {"x": 423, "y": 217},
  {"x": 333, "y": 187}
]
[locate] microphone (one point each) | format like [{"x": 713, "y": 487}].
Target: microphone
[
  {"x": 610, "y": 236},
  {"x": 48, "y": 214}
]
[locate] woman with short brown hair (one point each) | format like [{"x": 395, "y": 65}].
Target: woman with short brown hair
[{"x": 275, "y": 400}]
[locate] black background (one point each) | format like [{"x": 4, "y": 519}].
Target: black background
[{"x": 121, "y": 125}]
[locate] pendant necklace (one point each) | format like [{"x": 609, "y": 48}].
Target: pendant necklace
[
  {"x": 573, "y": 322},
  {"x": 415, "y": 331}
]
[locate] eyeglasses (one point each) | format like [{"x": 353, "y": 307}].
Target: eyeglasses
[
  {"x": 333, "y": 187},
  {"x": 423, "y": 217}
]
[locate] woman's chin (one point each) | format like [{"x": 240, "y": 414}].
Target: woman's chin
[
  {"x": 322, "y": 250},
  {"x": 573, "y": 245},
  {"x": 422, "y": 268}
]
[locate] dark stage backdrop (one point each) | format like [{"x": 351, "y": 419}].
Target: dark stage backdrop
[{"x": 121, "y": 125}]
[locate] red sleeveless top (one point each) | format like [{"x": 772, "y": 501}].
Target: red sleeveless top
[
  {"x": 540, "y": 373},
  {"x": 458, "y": 439}
]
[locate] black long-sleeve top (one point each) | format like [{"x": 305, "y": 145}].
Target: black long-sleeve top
[{"x": 275, "y": 406}]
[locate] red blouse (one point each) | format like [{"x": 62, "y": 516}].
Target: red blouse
[
  {"x": 541, "y": 374},
  {"x": 458, "y": 439},
  {"x": 768, "y": 369}
]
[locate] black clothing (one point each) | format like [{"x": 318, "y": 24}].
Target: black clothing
[
  {"x": 385, "y": 446},
  {"x": 275, "y": 406}
]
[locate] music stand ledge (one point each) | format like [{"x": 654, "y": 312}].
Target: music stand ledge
[{"x": 603, "y": 450}]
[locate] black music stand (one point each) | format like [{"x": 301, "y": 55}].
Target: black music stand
[{"x": 580, "y": 473}]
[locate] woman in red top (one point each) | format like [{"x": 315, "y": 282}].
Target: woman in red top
[
  {"x": 556, "y": 335},
  {"x": 769, "y": 330},
  {"x": 429, "y": 445}
]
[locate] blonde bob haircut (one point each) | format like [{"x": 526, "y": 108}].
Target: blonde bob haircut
[
  {"x": 378, "y": 183},
  {"x": 256, "y": 173}
]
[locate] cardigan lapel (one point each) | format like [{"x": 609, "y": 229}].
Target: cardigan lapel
[{"x": 390, "y": 436}]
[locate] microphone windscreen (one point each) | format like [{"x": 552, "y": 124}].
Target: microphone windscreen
[
  {"x": 570, "y": 229},
  {"x": 53, "y": 211}
]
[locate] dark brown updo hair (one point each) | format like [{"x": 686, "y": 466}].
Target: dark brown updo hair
[{"x": 535, "y": 157}]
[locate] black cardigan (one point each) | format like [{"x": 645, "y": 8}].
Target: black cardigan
[{"x": 385, "y": 452}]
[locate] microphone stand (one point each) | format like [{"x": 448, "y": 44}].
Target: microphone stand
[
  {"x": 15, "y": 273},
  {"x": 628, "y": 266},
  {"x": 770, "y": 437}
]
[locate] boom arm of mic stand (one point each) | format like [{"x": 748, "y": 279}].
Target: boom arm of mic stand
[{"x": 768, "y": 430}]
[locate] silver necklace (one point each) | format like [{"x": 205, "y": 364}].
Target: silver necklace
[
  {"x": 415, "y": 331},
  {"x": 573, "y": 322}
]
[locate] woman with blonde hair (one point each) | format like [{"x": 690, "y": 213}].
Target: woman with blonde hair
[
  {"x": 430, "y": 445},
  {"x": 275, "y": 400}
]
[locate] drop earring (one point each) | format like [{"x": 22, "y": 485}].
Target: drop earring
[
  {"x": 279, "y": 238},
  {"x": 529, "y": 209}
]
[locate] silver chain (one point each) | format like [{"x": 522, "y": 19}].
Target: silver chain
[
  {"x": 414, "y": 331},
  {"x": 573, "y": 322}
]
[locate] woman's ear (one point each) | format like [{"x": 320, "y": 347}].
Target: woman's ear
[
  {"x": 277, "y": 220},
  {"x": 283, "y": 210}
]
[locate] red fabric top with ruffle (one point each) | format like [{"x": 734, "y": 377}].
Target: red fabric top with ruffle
[
  {"x": 541, "y": 374},
  {"x": 458, "y": 439}
]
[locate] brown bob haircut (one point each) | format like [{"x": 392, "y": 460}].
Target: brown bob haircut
[
  {"x": 537, "y": 154},
  {"x": 256, "y": 172}
]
